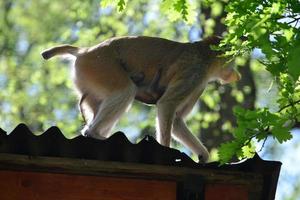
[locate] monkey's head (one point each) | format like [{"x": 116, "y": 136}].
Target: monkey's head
[
  {"x": 223, "y": 71},
  {"x": 229, "y": 75},
  {"x": 220, "y": 68}
]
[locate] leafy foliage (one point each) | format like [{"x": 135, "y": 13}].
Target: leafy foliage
[
  {"x": 271, "y": 26},
  {"x": 254, "y": 124}
]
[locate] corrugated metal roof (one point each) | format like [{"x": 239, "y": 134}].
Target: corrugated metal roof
[{"x": 52, "y": 143}]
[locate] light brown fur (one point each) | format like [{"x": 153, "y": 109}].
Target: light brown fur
[{"x": 172, "y": 75}]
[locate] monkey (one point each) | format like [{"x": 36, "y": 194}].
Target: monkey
[{"x": 169, "y": 74}]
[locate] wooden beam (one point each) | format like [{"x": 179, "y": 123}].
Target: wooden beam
[
  {"x": 252, "y": 181},
  {"x": 49, "y": 186}
]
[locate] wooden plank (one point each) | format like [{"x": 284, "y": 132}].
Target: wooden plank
[
  {"x": 251, "y": 181},
  {"x": 226, "y": 192},
  {"x": 17, "y": 185}
]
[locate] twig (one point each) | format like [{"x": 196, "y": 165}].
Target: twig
[
  {"x": 263, "y": 145},
  {"x": 294, "y": 20},
  {"x": 255, "y": 133},
  {"x": 295, "y": 26},
  {"x": 271, "y": 85},
  {"x": 289, "y": 105}
]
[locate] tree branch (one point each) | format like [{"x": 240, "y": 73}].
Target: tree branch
[
  {"x": 294, "y": 20},
  {"x": 289, "y": 105}
]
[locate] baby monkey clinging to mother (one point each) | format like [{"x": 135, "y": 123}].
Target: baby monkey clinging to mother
[{"x": 172, "y": 75}]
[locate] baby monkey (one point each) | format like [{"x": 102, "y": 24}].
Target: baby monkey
[{"x": 172, "y": 75}]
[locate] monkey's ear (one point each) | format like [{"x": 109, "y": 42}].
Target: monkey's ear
[{"x": 229, "y": 75}]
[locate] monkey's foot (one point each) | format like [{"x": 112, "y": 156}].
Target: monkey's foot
[
  {"x": 85, "y": 131},
  {"x": 203, "y": 157},
  {"x": 88, "y": 132}
]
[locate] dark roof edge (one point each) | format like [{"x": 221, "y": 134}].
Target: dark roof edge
[{"x": 52, "y": 143}]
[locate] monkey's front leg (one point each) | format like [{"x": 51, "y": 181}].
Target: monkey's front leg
[
  {"x": 185, "y": 136},
  {"x": 166, "y": 109}
]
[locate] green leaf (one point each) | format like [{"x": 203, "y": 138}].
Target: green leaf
[
  {"x": 238, "y": 110},
  {"x": 251, "y": 114},
  {"x": 121, "y": 5},
  {"x": 293, "y": 63},
  {"x": 275, "y": 68},
  {"x": 248, "y": 151},
  {"x": 228, "y": 150},
  {"x": 288, "y": 33},
  {"x": 181, "y": 6},
  {"x": 275, "y": 8},
  {"x": 282, "y": 134},
  {"x": 261, "y": 136},
  {"x": 240, "y": 131}
]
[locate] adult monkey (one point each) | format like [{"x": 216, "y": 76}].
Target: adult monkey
[{"x": 172, "y": 75}]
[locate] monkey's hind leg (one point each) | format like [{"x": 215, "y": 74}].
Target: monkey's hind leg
[
  {"x": 109, "y": 112},
  {"x": 88, "y": 106},
  {"x": 81, "y": 109}
]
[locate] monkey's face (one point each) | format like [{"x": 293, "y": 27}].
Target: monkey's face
[
  {"x": 223, "y": 71},
  {"x": 229, "y": 75}
]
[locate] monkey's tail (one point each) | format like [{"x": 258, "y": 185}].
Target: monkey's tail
[{"x": 60, "y": 50}]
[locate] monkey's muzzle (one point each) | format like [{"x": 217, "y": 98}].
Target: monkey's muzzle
[{"x": 232, "y": 75}]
